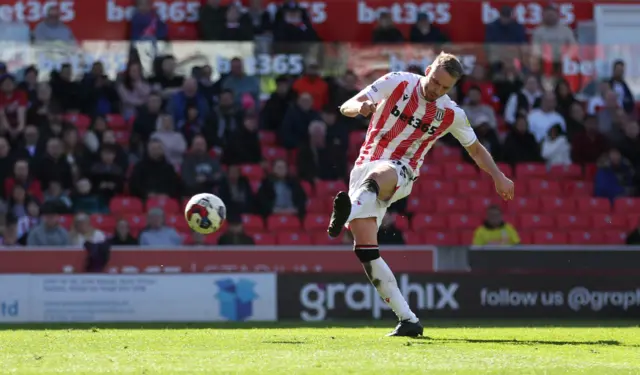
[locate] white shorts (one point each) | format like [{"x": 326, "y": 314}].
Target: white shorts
[{"x": 362, "y": 172}]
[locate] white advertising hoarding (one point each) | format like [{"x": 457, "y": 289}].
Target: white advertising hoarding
[{"x": 138, "y": 298}]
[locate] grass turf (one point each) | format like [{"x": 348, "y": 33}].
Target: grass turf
[{"x": 459, "y": 347}]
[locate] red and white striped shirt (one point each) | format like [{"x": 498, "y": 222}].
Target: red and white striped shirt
[{"x": 405, "y": 125}]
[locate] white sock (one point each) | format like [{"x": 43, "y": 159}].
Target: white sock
[{"x": 382, "y": 278}]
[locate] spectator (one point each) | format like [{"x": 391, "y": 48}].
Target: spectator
[
  {"x": 495, "y": 231},
  {"x": 10, "y": 233},
  {"x": 295, "y": 126},
  {"x": 51, "y": 29},
  {"x": 245, "y": 88},
  {"x": 122, "y": 235},
  {"x": 504, "y": 37},
  {"x": 575, "y": 120},
  {"x": 389, "y": 234},
  {"x": 18, "y": 201},
  {"x": 54, "y": 166},
  {"x": 200, "y": 172},
  {"x": 15, "y": 30},
  {"x": 488, "y": 137},
  {"x": 193, "y": 125},
  {"x": 337, "y": 132},
  {"x": 209, "y": 89},
  {"x": 386, "y": 31},
  {"x": 106, "y": 176},
  {"x": 476, "y": 109},
  {"x": 211, "y": 20},
  {"x": 38, "y": 112},
  {"x": 102, "y": 97},
  {"x": 552, "y": 39},
  {"x": 30, "y": 84},
  {"x": 30, "y": 220},
  {"x": 565, "y": 97},
  {"x": 313, "y": 84},
  {"x": 626, "y": 100},
  {"x": 153, "y": 175},
  {"x": 610, "y": 117},
  {"x": 597, "y": 102},
  {"x": 244, "y": 143},
  {"x": 523, "y": 101},
  {"x": 281, "y": 193},
  {"x": 83, "y": 232},
  {"x": 157, "y": 233},
  {"x": 294, "y": 26},
  {"x": 629, "y": 146},
  {"x": 344, "y": 89},
  {"x": 133, "y": 90},
  {"x": 236, "y": 192},
  {"x": 556, "y": 149},
  {"x": 507, "y": 80},
  {"x": 173, "y": 142},
  {"x": 145, "y": 123},
  {"x": 633, "y": 238},
  {"x": 543, "y": 118},
  {"x": 615, "y": 176},
  {"x": 22, "y": 176},
  {"x": 13, "y": 109},
  {"x": 76, "y": 154},
  {"x": 185, "y": 98},
  {"x": 235, "y": 234},
  {"x": 146, "y": 24},
  {"x": 55, "y": 193},
  {"x": 319, "y": 159},
  {"x": 30, "y": 148},
  {"x": 7, "y": 161},
  {"x": 49, "y": 232},
  {"x": 588, "y": 145},
  {"x": 478, "y": 79},
  {"x": 165, "y": 80},
  {"x": 259, "y": 18},
  {"x": 68, "y": 93},
  {"x": 84, "y": 199},
  {"x": 275, "y": 108},
  {"x": 122, "y": 159},
  {"x": 227, "y": 118},
  {"x": 235, "y": 27},
  {"x": 423, "y": 31},
  {"x": 520, "y": 146}
]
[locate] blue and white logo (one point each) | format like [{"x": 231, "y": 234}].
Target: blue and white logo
[
  {"x": 236, "y": 298},
  {"x": 9, "y": 309}
]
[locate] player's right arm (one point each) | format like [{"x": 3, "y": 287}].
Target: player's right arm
[{"x": 366, "y": 101}]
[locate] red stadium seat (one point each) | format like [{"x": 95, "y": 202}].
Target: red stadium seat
[
  {"x": 445, "y": 154},
  {"x": 432, "y": 171},
  {"x": 590, "y": 171},
  {"x": 462, "y": 221},
  {"x": 116, "y": 122},
  {"x": 434, "y": 188},
  {"x": 615, "y": 237},
  {"x": 413, "y": 238},
  {"x": 566, "y": 172},
  {"x": 452, "y": 205},
  {"x": 283, "y": 223},
  {"x": 627, "y": 206},
  {"x": 319, "y": 205},
  {"x": 441, "y": 238},
  {"x": 586, "y": 238},
  {"x": 267, "y": 138},
  {"x": 419, "y": 205},
  {"x": 526, "y": 238},
  {"x": 457, "y": 171},
  {"x": 308, "y": 189},
  {"x": 544, "y": 187},
  {"x": 531, "y": 171},
  {"x": 466, "y": 237},
  {"x": 125, "y": 205},
  {"x": 136, "y": 222},
  {"x": 123, "y": 137},
  {"x": 479, "y": 205},
  {"x": 168, "y": 205},
  {"x": 401, "y": 222},
  {"x": 573, "y": 222},
  {"x": 252, "y": 171},
  {"x": 274, "y": 153},
  {"x": 356, "y": 139},
  {"x": 523, "y": 205},
  {"x": 557, "y": 205},
  {"x": 316, "y": 222},
  {"x": 82, "y": 122},
  {"x": 422, "y": 222},
  {"x": 550, "y": 238},
  {"x": 66, "y": 221},
  {"x": 105, "y": 223},
  {"x": 593, "y": 205},
  {"x": 506, "y": 168},
  {"x": 532, "y": 222},
  {"x": 608, "y": 222},
  {"x": 178, "y": 222},
  {"x": 322, "y": 238},
  {"x": 577, "y": 188},
  {"x": 264, "y": 239},
  {"x": 255, "y": 185},
  {"x": 253, "y": 223},
  {"x": 633, "y": 220},
  {"x": 330, "y": 188},
  {"x": 474, "y": 188},
  {"x": 293, "y": 239}
]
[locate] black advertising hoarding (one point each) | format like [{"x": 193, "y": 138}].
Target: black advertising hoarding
[{"x": 316, "y": 297}]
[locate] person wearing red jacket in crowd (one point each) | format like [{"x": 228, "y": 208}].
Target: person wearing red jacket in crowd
[
  {"x": 23, "y": 177},
  {"x": 478, "y": 78},
  {"x": 313, "y": 83},
  {"x": 13, "y": 108}
]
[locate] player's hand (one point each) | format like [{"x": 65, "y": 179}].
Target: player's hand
[
  {"x": 367, "y": 107},
  {"x": 505, "y": 187}
]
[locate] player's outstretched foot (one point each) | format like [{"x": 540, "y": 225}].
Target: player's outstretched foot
[
  {"x": 407, "y": 329},
  {"x": 340, "y": 215}
]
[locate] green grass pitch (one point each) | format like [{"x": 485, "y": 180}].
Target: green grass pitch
[{"x": 452, "y": 347}]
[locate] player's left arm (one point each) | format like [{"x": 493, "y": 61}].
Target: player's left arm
[{"x": 461, "y": 129}]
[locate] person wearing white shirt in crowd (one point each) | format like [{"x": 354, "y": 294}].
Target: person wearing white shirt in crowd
[
  {"x": 543, "y": 118},
  {"x": 556, "y": 149},
  {"x": 83, "y": 232},
  {"x": 15, "y": 31},
  {"x": 597, "y": 102},
  {"x": 523, "y": 101}
]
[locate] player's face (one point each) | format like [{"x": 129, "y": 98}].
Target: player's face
[{"x": 438, "y": 82}]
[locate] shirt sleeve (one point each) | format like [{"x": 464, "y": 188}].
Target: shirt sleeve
[
  {"x": 382, "y": 87},
  {"x": 461, "y": 128}
]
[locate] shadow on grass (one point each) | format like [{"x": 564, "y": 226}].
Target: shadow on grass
[
  {"x": 434, "y": 323},
  {"x": 434, "y": 341}
]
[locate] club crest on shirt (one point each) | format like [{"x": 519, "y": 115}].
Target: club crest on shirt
[{"x": 439, "y": 114}]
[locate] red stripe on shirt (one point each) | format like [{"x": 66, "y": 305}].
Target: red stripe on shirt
[
  {"x": 449, "y": 116},
  {"x": 401, "y": 150},
  {"x": 374, "y": 130}
]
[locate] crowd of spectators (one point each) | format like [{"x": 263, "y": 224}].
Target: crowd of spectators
[{"x": 162, "y": 134}]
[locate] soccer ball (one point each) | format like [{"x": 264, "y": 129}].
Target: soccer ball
[{"x": 205, "y": 213}]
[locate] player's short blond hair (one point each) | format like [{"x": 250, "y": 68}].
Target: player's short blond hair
[{"x": 450, "y": 63}]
